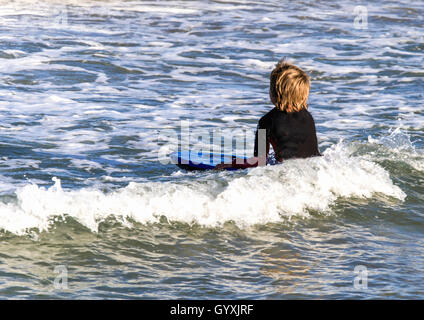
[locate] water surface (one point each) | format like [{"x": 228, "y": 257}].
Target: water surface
[{"x": 87, "y": 90}]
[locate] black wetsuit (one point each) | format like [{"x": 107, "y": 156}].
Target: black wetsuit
[{"x": 292, "y": 135}]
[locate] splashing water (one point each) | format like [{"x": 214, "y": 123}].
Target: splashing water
[{"x": 259, "y": 196}]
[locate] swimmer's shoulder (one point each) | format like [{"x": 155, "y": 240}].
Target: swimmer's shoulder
[{"x": 267, "y": 119}]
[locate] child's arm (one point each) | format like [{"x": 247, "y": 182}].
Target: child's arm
[
  {"x": 248, "y": 163},
  {"x": 262, "y": 142},
  {"x": 257, "y": 159}
]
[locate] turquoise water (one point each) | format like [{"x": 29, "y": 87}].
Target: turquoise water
[{"x": 91, "y": 93}]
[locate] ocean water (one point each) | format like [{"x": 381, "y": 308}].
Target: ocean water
[{"x": 91, "y": 92}]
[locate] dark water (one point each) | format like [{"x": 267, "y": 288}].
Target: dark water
[{"x": 91, "y": 207}]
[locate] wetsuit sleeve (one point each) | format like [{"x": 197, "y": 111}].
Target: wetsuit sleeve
[
  {"x": 259, "y": 135},
  {"x": 261, "y": 125},
  {"x": 255, "y": 150}
]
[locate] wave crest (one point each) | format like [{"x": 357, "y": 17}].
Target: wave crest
[{"x": 258, "y": 196}]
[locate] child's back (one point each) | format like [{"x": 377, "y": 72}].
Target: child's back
[{"x": 291, "y": 134}]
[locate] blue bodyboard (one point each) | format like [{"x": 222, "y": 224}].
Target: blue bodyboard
[{"x": 193, "y": 160}]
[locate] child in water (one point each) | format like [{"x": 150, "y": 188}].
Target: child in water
[{"x": 289, "y": 127}]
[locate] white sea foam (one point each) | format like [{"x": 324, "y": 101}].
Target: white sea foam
[{"x": 257, "y": 196}]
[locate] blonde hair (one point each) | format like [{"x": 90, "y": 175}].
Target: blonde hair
[{"x": 289, "y": 85}]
